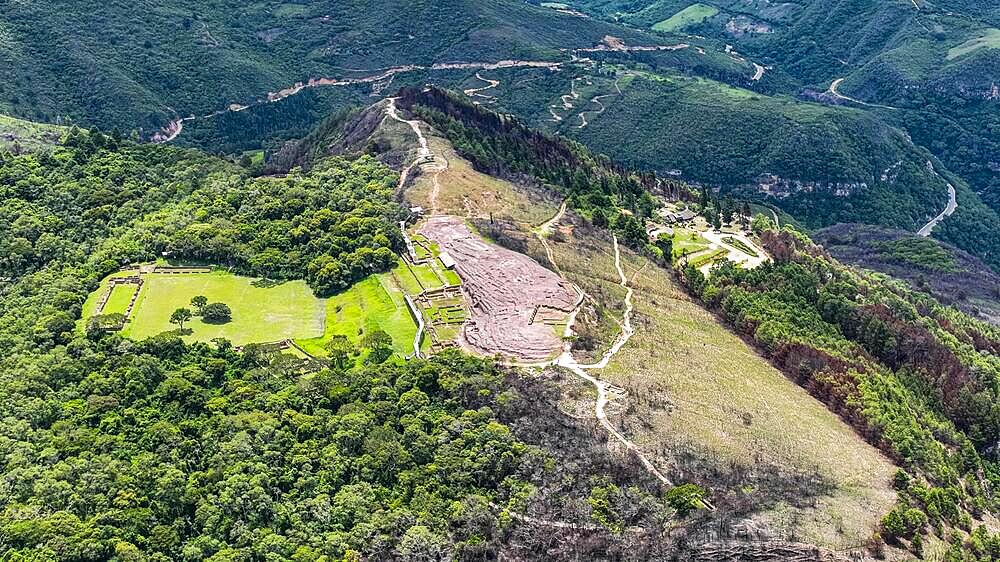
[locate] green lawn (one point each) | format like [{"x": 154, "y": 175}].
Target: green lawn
[
  {"x": 740, "y": 245},
  {"x": 695, "y": 13},
  {"x": 405, "y": 278},
  {"x": 688, "y": 242},
  {"x": 263, "y": 313},
  {"x": 121, "y": 295},
  {"x": 269, "y": 313},
  {"x": 374, "y": 303},
  {"x": 450, "y": 276},
  {"x": 427, "y": 276},
  {"x": 991, "y": 40},
  {"x": 707, "y": 257}
]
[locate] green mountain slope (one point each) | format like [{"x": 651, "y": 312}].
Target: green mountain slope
[
  {"x": 937, "y": 63},
  {"x": 123, "y": 64}
]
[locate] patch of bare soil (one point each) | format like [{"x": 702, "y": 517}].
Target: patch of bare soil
[{"x": 513, "y": 299}]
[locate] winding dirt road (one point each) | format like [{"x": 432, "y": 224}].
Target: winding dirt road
[
  {"x": 606, "y": 392},
  {"x": 426, "y": 159},
  {"x": 949, "y": 209},
  {"x": 833, "y": 91},
  {"x": 172, "y": 131},
  {"x": 477, "y": 92}
]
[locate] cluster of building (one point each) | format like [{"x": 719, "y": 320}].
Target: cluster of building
[{"x": 677, "y": 217}]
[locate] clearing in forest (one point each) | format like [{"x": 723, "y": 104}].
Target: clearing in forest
[
  {"x": 374, "y": 303},
  {"x": 695, "y": 13},
  {"x": 262, "y": 311},
  {"x": 121, "y": 296},
  {"x": 267, "y": 311},
  {"x": 989, "y": 40}
]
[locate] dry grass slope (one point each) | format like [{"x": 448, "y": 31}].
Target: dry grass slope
[{"x": 709, "y": 404}]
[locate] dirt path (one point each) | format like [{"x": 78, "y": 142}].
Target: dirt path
[
  {"x": 606, "y": 392},
  {"x": 833, "y": 91},
  {"x": 949, "y": 209},
  {"x": 477, "y": 92},
  {"x": 758, "y": 72},
  {"x": 543, "y": 231},
  {"x": 426, "y": 159}
]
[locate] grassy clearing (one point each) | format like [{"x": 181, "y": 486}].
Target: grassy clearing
[
  {"x": 371, "y": 304},
  {"x": 290, "y": 10},
  {"x": 261, "y": 312},
  {"x": 450, "y": 277},
  {"x": 707, "y": 402},
  {"x": 121, "y": 296},
  {"x": 405, "y": 279},
  {"x": 688, "y": 242},
  {"x": 28, "y": 135},
  {"x": 427, "y": 276},
  {"x": 990, "y": 40},
  {"x": 695, "y": 13},
  {"x": 707, "y": 257}
]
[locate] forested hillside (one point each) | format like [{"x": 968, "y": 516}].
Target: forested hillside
[
  {"x": 164, "y": 450},
  {"x": 127, "y": 65},
  {"x": 951, "y": 275},
  {"x": 916, "y": 378},
  {"x": 929, "y": 67}
]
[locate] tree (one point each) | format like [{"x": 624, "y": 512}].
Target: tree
[
  {"x": 666, "y": 244},
  {"x": 686, "y": 498},
  {"x": 216, "y": 313},
  {"x": 199, "y": 302},
  {"x": 104, "y": 323},
  {"x": 340, "y": 350},
  {"x": 377, "y": 339},
  {"x": 760, "y": 223},
  {"x": 180, "y": 316},
  {"x": 379, "y": 345}
]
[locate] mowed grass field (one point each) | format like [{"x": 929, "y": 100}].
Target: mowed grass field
[
  {"x": 261, "y": 312},
  {"x": 375, "y": 303},
  {"x": 695, "y": 13},
  {"x": 265, "y": 312},
  {"x": 708, "y": 403},
  {"x": 121, "y": 296}
]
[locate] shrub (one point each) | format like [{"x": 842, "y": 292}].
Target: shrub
[{"x": 216, "y": 313}]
